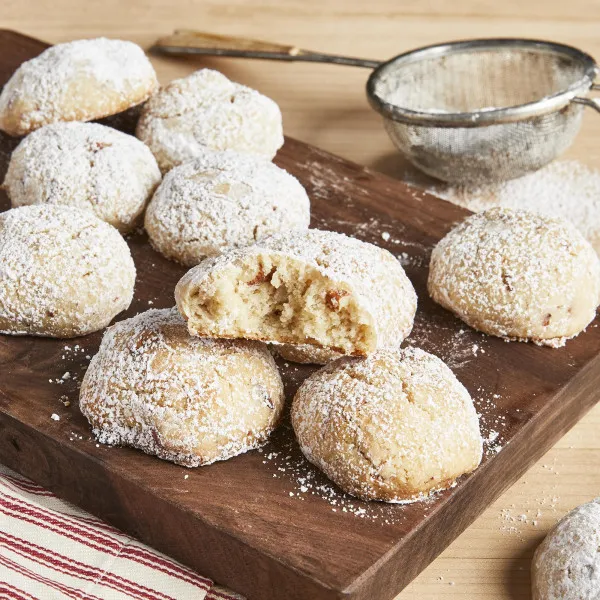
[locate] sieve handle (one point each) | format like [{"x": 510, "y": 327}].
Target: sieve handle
[
  {"x": 186, "y": 41},
  {"x": 593, "y": 102}
]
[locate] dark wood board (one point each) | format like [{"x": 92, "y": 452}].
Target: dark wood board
[{"x": 249, "y": 522}]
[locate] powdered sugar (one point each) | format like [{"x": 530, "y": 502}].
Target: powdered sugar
[
  {"x": 435, "y": 334},
  {"x": 565, "y": 565},
  {"x": 393, "y": 426},
  {"x": 518, "y": 275},
  {"x": 86, "y": 165},
  {"x": 63, "y": 271},
  {"x": 566, "y": 189},
  {"x": 80, "y": 80},
  {"x": 189, "y": 400},
  {"x": 203, "y": 110},
  {"x": 223, "y": 200}
]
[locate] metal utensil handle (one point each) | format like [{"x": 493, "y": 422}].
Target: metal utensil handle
[
  {"x": 593, "y": 102},
  {"x": 186, "y": 41}
]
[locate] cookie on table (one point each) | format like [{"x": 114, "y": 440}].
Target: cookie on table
[
  {"x": 77, "y": 81},
  {"x": 222, "y": 200},
  {"x": 566, "y": 565},
  {"x": 394, "y": 426},
  {"x": 63, "y": 272},
  {"x": 302, "y": 287},
  {"x": 85, "y": 165},
  {"x": 517, "y": 275},
  {"x": 189, "y": 400},
  {"x": 207, "y": 110}
]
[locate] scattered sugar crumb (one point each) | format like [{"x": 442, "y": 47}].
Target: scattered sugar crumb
[
  {"x": 55, "y": 417},
  {"x": 564, "y": 188}
]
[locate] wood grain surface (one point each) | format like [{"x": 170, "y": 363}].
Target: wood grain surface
[
  {"x": 325, "y": 105},
  {"x": 231, "y": 521}
]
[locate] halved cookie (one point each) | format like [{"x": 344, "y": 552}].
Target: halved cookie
[{"x": 302, "y": 287}]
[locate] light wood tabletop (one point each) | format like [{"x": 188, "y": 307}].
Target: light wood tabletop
[{"x": 325, "y": 105}]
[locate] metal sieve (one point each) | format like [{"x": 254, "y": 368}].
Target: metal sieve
[
  {"x": 473, "y": 111},
  {"x": 483, "y": 110}
]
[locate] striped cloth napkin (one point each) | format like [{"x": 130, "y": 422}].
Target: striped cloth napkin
[{"x": 50, "y": 549}]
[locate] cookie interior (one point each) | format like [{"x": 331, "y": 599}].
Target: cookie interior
[{"x": 276, "y": 298}]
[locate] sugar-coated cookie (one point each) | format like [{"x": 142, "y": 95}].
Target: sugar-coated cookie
[
  {"x": 189, "y": 400},
  {"x": 76, "y": 81}
]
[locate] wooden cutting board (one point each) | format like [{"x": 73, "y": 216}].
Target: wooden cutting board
[{"x": 267, "y": 524}]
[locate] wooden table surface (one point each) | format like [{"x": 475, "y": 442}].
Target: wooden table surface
[{"x": 325, "y": 105}]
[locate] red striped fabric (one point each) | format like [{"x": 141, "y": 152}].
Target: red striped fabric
[
  {"x": 12, "y": 592},
  {"x": 52, "y": 549}
]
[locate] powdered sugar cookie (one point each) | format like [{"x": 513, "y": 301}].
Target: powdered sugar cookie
[
  {"x": 302, "y": 287},
  {"x": 189, "y": 400},
  {"x": 84, "y": 165},
  {"x": 223, "y": 200},
  {"x": 394, "y": 426},
  {"x": 518, "y": 275},
  {"x": 566, "y": 565},
  {"x": 207, "y": 110},
  {"x": 77, "y": 81},
  {"x": 63, "y": 272}
]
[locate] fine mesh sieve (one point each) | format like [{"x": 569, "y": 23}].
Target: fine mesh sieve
[
  {"x": 466, "y": 112},
  {"x": 483, "y": 110}
]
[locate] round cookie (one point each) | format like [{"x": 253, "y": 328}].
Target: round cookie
[
  {"x": 77, "y": 81},
  {"x": 394, "y": 426},
  {"x": 302, "y": 287},
  {"x": 63, "y": 272},
  {"x": 517, "y": 275},
  {"x": 85, "y": 165},
  {"x": 189, "y": 400},
  {"x": 207, "y": 110},
  {"x": 223, "y": 200},
  {"x": 566, "y": 565}
]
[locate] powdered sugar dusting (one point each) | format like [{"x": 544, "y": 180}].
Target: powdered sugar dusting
[
  {"x": 518, "y": 275},
  {"x": 223, "y": 200},
  {"x": 63, "y": 271},
  {"x": 393, "y": 426},
  {"x": 80, "y": 80},
  {"x": 434, "y": 333},
  {"x": 305, "y": 482},
  {"x": 189, "y": 400},
  {"x": 203, "y": 110},
  {"x": 565, "y": 189},
  {"x": 566, "y": 563},
  {"x": 86, "y": 165}
]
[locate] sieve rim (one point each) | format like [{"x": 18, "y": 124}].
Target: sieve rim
[{"x": 511, "y": 114}]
